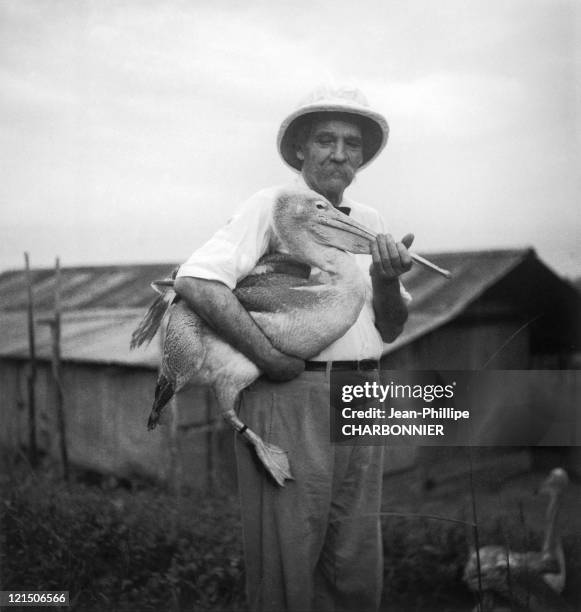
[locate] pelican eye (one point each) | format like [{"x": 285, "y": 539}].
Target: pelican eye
[{"x": 320, "y": 205}]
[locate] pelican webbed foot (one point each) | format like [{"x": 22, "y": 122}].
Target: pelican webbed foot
[{"x": 274, "y": 459}]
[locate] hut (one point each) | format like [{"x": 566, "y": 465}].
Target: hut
[
  {"x": 510, "y": 320},
  {"x": 502, "y": 310},
  {"x": 108, "y": 389}
]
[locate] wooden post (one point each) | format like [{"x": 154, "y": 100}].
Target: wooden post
[
  {"x": 32, "y": 448},
  {"x": 210, "y": 443},
  {"x": 174, "y": 447},
  {"x": 57, "y": 372}
]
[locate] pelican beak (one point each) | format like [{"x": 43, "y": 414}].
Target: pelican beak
[{"x": 345, "y": 233}]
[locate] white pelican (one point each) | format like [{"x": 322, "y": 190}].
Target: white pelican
[
  {"x": 533, "y": 580},
  {"x": 301, "y": 313}
]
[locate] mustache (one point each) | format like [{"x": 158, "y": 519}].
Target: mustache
[{"x": 342, "y": 170}]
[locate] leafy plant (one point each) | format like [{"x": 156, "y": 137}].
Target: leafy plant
[{"x": 124, "y": 551}]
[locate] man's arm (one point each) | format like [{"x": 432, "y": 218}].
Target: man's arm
[
  {"x": 219, "y": 307},
  {"x": 390, "y": 260}
]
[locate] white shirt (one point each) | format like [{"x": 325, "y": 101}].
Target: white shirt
[{"x": 235, "y": 248}]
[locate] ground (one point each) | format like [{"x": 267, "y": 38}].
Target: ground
[{"x": 138, "y": 548}]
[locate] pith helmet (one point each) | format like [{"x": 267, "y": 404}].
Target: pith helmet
[{"x": 346, "y": 100}]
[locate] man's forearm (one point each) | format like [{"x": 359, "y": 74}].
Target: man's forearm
[
  {"x": 219, "y": 307},
  {"x": 390, "y": 308}
]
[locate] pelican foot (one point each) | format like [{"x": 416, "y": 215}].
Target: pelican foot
[{"x": 275, "y": 460}]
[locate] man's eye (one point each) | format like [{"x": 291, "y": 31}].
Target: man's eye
[
  {"x": 354, "y": 144},
  {"x": 325, "y": 141}
]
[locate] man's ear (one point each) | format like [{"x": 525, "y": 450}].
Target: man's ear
[{"x": 300, "y": 154}]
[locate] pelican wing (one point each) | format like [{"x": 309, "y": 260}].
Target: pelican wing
[
  {"x": 299, "y": 313},
  {"x": 263, "y": 288},
  {"x": 270, "y": 293}
]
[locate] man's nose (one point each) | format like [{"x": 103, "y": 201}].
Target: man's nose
[{"x": 339, "y": 152}]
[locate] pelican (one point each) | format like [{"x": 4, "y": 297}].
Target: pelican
[
  {"x": 302, "y": 301},
  {"x": 533, "y": 580}
]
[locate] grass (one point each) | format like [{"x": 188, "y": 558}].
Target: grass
[
  {"x": 423, "y": 563},
  {"x": 121, "y": 550},
  {"x": 115, "y": 550},
  {"x": 144, "y": 549}
]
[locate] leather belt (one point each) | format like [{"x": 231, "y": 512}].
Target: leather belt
[{"x": 365, "y": 364}]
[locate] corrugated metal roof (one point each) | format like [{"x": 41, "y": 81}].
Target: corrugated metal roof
[
  {"x": 102, "y": 305},
  {"x": 437, "y": 300},
  {"x": 97, "y": 336},
  {"x": 93, "y": 287}
]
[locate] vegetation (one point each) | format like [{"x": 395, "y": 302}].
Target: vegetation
[
  {"x": 120, "y": 550},
  {"x": 145, "y": 549},
  {"x": 423, "y": 564},
  {"x": 114, "y": 549}
]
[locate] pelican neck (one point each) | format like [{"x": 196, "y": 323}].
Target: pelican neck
[{"x": 301, "y": 182}]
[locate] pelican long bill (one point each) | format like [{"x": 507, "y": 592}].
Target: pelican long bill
[{"x": 348, "y": 226}]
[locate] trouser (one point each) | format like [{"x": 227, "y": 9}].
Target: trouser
[{"x": 314, "y": 544}]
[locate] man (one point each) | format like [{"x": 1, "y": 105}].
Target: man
[{"x": 314, "y": 544}]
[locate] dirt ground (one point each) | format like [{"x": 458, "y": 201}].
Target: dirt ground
[{"x": 509, "y": 510}]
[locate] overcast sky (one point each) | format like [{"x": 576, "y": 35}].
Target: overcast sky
[{"x": 131, "y": 129}]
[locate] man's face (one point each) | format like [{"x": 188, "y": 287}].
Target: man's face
[{"x": 331, "y": 155}]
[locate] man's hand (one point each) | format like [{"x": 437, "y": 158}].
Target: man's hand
[{"x": 390, "y": 258}]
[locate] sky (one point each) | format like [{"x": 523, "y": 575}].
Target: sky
[{"x": 131, "y": 129}]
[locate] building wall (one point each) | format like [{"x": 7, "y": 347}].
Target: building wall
[
  {"x": 13, "y": 404},
  {"x": 469, "y": 346},
  {"x": 107, "y": 407},
  {"x": 459, "y": 345},
  {"x": 466, "y": 346},
  {"x": 106, "y": 410}
]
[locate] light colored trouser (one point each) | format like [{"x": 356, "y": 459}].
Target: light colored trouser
[{"x": 308, "y": 546}]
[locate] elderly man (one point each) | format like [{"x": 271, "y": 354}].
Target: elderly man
[{"x": 314, "y": 544}]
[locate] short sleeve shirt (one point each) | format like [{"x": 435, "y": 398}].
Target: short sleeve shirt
[{"x": 236, "y": 247}]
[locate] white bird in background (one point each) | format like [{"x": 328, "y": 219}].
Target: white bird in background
[
  {"x": 528, "y": 580},
  {"x": 300, "y": 313}
]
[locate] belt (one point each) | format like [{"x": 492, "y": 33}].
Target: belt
[{"x": 365, "y": 364}]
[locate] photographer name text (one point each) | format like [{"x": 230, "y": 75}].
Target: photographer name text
[{"x": 392, "y": 421}]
